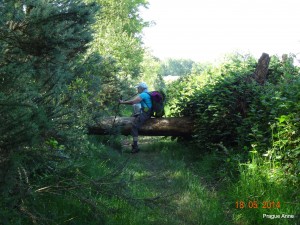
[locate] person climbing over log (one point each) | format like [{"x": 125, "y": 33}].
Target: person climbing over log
[{"x": 146, "y": 111}]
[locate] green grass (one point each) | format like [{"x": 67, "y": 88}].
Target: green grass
[
  {"x": 203, "y": 193},
  {"x": 166, "y": 183},
  {"x": 172, "y": 193},
  {"x": 261, "y": 190}
]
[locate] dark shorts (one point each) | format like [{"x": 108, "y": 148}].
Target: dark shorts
[{"x": 139, "y": 121}]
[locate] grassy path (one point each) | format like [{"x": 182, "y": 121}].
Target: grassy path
[
  {"x": 167, "y": 176},
  {"x": 182, "y": 186}
]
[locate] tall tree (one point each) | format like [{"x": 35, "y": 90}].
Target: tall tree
[{"x": 118, "y": 34}]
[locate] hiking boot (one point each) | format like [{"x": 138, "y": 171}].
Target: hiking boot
[{"x": 135, "y": 149}]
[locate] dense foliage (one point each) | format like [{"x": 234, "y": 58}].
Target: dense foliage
[
  {"x": 232, "y": 110},
  {"x": 118, "y": 36},
  {"x": 40, "y": 44},
  {"x": 43, "y": 117}
]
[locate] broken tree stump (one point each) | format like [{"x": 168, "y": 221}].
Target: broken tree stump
[
  {"x": 172, "y": 126},
  {"x": 261, "y": 72}
]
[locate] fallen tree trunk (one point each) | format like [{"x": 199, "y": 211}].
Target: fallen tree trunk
[
  {"x": 154, "y": 127},
  {"x": 173, "y": 126}
]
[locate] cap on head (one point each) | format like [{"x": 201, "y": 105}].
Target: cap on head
[{"x": 142, "y": 85}]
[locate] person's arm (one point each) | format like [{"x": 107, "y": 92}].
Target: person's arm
[{"x": 135, "y": 100}]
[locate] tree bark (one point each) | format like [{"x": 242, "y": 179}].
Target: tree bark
[
  {"x": 261, "y": 72},
  {"x": 154, "y": 127}
]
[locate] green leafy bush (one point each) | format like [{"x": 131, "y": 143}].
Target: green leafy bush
[
  {"x": 231, "y": 110},
  {"x": 217, "y": 99}
]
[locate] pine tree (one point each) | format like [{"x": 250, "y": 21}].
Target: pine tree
[{"x": 40, "y": 44}]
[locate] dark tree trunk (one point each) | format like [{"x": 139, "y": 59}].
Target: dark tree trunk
[
  {"x": 153, "y": 127},
  {"x": 261, "y": 72}
]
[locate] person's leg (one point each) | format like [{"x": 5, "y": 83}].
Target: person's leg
[
  {"x": 134, "y": 130},
  {"x": 135, "y": 140},
  {"x": 137, "y": 123}
]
